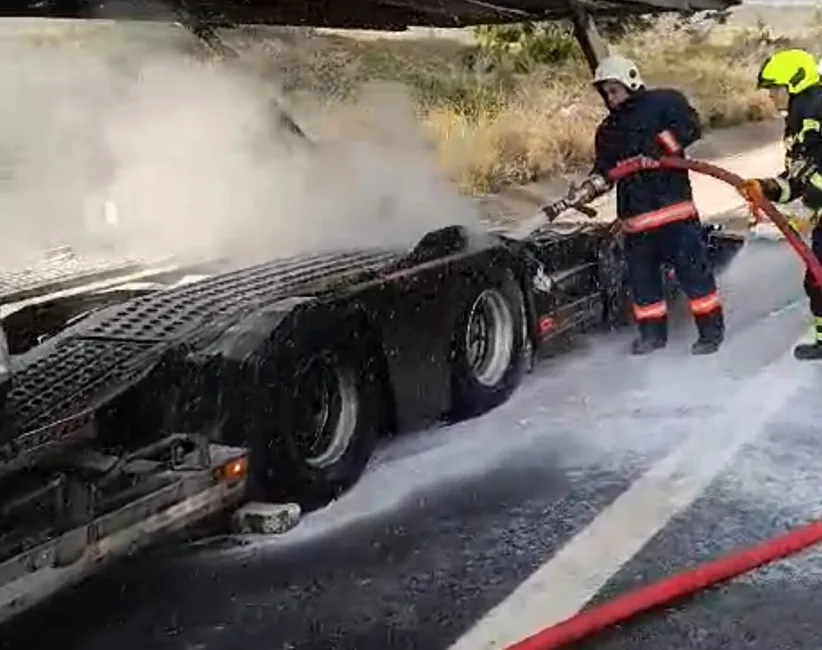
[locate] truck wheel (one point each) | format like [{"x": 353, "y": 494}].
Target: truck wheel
[
  {"x": 488, "y": 349},
  {"x": 325, "y": 431}
]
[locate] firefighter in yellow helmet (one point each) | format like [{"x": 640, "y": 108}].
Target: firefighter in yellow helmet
[{"x": 792, "y": 79}]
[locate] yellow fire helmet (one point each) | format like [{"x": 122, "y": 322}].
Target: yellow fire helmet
[{"x": 795, "y": 70}]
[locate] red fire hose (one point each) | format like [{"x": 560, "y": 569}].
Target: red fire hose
[
  {"x": 627, "y": 606},
  {"x": 634, "y": 165},
  {"x": 764, "y": 206}
]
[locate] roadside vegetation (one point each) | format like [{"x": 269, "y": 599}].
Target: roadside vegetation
[
  {"x": 510, "y": 104},
  {"x": 516, "y": 105}
]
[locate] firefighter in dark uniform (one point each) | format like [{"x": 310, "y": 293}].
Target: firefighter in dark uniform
[
  {"x": 792, "y": 78},
  {"x": 655, "y": 207}
]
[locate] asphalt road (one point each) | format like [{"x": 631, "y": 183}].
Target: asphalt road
[{"x": 464, "y": 535}]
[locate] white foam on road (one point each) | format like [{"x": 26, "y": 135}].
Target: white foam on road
[
  {"x": 774, "y": 485},
  {"x": 583, "y": 413},
  {"x": 572, "y": 577},
  {"x": 593, "y": 406}
]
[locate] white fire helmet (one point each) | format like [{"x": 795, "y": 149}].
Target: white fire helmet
[{"x": 621, "y": 69}]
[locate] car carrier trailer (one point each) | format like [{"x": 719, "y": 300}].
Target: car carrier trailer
[
  {"x": 132, "y": 406},
  {"x": 65, "y": 516},
  {"x": 256, "y": 392}
]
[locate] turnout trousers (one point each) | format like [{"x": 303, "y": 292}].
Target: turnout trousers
[
  {"x": 680, "y": 244},
  {"x": 814, "y": 293}
]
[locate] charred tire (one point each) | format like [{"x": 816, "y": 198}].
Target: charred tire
[
  {"x": 325, "y": 427},
  {"x": 488, "y": 347}
]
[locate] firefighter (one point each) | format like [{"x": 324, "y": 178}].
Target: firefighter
[
  {"x": 792, "y": 79},
  {"x": 655, "y": 207}
]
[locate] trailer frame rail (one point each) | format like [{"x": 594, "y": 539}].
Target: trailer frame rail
[{"x": 191, "y": 489}]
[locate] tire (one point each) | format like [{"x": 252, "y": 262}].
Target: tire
[
  {"x": 325, "y": 423},
  {"x": 489, "y": 351}
]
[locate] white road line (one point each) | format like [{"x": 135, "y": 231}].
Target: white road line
[{"x": 562, "y": 586}]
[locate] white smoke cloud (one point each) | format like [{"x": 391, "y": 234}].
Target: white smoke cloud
[{"x": 190, "y": 156}]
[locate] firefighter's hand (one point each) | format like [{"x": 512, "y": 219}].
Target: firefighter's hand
[{"x": 751, "y": 191}]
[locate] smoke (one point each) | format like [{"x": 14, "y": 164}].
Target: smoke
[{"x": 193, "y": 159}]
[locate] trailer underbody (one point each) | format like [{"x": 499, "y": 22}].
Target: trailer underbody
[
  {"x": 80, "y": 529},
  {"x": 133, "y": 412}
]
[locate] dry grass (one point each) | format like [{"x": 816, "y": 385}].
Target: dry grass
[
  {"x": 546, "y": 127},
  {"x": 497, "y": 128},
  {"x": 543, "y": 129}
]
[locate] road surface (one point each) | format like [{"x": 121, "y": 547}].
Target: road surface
[{"x": 604, "y": 471}]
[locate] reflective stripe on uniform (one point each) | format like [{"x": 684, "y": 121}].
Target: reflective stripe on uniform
[
  {"x": 668, "y": 141},
  {"x": 655, "y": 310},
  {"x": 656, "y": 218},
  {"x": 807, "y": 127},
  {"x": 818, "y": 324},
  {"x": 797, "y": 167},
  {"x": 631, "y": 166},
  {"x": 784, "y": 190},
  {"x": 705, "y": 304}
]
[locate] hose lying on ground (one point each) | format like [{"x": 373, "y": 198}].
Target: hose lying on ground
[{"x": 627, "y": 606}]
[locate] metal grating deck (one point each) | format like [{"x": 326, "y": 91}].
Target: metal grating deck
[
  {"x": 64, "y": 272},
  {"x": 62, "y": 382},
  {"x": 67, "y": 377},
  {"x": 157, "y": 317}
]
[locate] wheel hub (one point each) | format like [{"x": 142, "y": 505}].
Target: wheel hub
[
  {"x": 325, "y": 412},
  {"x": 489, "y": 337}
]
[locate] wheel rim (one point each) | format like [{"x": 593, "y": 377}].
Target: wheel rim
[
  {"x": 489, "y": 337},
  {"x": 325, "y": 404}
]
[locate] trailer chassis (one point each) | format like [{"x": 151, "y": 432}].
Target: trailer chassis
[{"x": 171, "y": 484}]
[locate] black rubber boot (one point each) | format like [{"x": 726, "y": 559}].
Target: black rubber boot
[
  {"x": 653, "y": 335},
  {"x": 711, "y": 329},
  {"x": 808, "y": 351}
]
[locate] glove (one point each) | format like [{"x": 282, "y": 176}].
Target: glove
[
  {"x": 751, "y": 190},
  {"x": 768, "y": 188},
  {"x": 757, "y": 190}
]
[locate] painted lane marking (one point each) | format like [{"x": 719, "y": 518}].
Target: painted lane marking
[{"x": 578, "y": 571}]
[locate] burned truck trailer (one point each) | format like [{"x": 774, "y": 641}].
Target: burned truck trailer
[
  {"x": 130, "y": 413},
  {"x": 217, "y": 355},
  {"x": 250, "y": 386},
  {"x": 262, "y": 390}
]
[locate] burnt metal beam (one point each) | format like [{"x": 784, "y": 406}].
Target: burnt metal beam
[
  {"x": 203, "y": 25},
  {"x": 358, "y": 14},
  {"x": 594, "y": 47}
]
